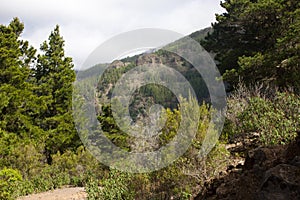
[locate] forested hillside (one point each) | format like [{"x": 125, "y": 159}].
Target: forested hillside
[{"x": 256, "y": 46}]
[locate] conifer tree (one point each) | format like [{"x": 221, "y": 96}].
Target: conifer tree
[
  {"x": 55, "y": 75},
  {"x": 16, "y": 97},
  {"x": 257, "y": 41}
]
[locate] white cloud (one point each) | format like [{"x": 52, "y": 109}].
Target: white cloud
[{"x": 87, "y": 23}]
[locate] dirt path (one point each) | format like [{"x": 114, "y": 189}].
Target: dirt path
[{"x": 76, "y": 193}]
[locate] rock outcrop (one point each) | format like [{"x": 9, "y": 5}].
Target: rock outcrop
[{"x": 269, "y": 173}]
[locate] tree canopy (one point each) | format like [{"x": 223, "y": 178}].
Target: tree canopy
[
  {"x": 257, "y": 40},
  {"x": 36, "y": 92}
]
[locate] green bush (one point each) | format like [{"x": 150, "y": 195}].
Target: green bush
[
  {"x": 92, "y": 187},
  {"x": 26, "y": 187},
  {"x": 276, "y": 119},
  {"x": 115, "y": 186},
  {"x": 9, "y": 180},
  {"x": 28, "y": 159}
]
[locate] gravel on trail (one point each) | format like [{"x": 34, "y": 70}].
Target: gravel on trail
[{"x": 76, "y": 193}]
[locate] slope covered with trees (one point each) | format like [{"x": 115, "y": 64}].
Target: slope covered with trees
[{"x": 256, "y": 47}]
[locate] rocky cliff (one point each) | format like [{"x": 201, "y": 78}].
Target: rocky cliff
[{"x": 269, "y": 173}]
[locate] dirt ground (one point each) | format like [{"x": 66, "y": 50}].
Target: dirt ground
[{"x": 76, "y": 193}]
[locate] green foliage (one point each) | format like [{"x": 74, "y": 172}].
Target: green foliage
[
  {"x": 182, "y": 179},
  {"x": 17, "y": 101},
  {"x": 9, "y": 180},
  {"x": 110, "y": 128},
  {"x": 178, "y": 180},
  {"x": 111, "y": 76},
  {"x": 54, "y": 76},
  {"x": 36, "y": 124},
  {"x": 70, "y": 168},
  {"x": 276, "y": 119},
  {"x": 287, "y": 49},
  {"x": 216, "y": 161},
  {"x": 40, "y": 150},
  {"x": 92, "y": 188},
  {"x": 258, "y": 41},
  {"x": 28, "y": 159},
  {"x": 158, "y": 93},
  {"x": 115, "y": 186},
  {"x": 171, "y": 126},
  {"x": 154, "y": 92}
]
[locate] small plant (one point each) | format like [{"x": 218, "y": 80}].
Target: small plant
[
  {"x": 92, "y": 188},
  {"x": 276, "y": 120},
  {"x": 275, "y": 117},
  {"x": 115, "y": 186},
  {"x": 9, "y": 180}
]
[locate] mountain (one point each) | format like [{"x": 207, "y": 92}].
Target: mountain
[
  {"x": 97, "y": 69},
  {"x": 151, "y": 93}
]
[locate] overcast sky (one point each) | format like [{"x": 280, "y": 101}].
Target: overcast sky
[{"x": 85, "y": 24}]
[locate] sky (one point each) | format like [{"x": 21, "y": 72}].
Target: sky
[{"x": 85, "y": 24}]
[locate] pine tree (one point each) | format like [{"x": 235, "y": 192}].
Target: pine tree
[
  {"x": 54, "y": 76},
  {"x": 18, "y": 104},
  {"x": 257, "y": 41},
  {"x": 16, "y": 97}
]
